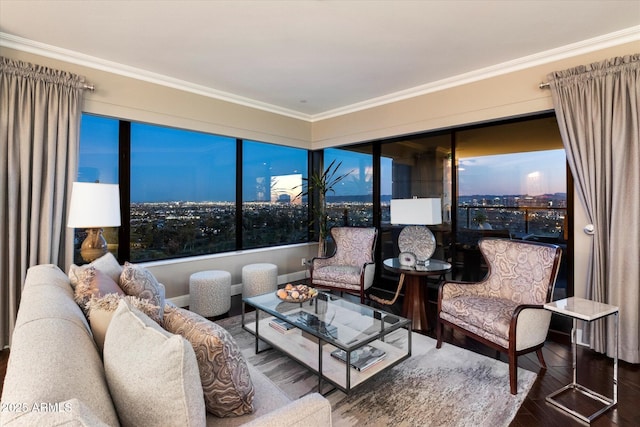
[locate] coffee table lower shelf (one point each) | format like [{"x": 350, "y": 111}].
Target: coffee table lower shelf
[{"x": 306, "y": 352}]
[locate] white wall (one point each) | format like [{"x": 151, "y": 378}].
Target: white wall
[{"x": 174, "y": 274}]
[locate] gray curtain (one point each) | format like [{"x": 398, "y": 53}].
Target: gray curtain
[
  {"x": 598, "y": 111},
  {"x": 40, "y": 111}
]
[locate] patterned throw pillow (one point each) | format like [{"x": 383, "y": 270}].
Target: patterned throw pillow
[
  {"x": 101, "y": 310},
  {"x": 228, "y": 390},
  {"x": 139, "y": 282},
  {"x": 93, "y": 283},
  {"x": 107, "y": 263},
  {"x": 152, "y": 374}
]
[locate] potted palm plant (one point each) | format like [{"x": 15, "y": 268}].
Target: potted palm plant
[{"x": 319, "y": 185}]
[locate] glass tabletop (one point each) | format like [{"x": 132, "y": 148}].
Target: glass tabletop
[
  {"x": 434, "y": 266},
  {"x": 340, "y": 322}
]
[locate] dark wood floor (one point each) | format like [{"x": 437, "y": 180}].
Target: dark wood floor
[{"x": 595, "y": 371}]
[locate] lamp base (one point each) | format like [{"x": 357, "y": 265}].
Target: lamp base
[
  {"x": 418, "y": 240},
  {"x": 94, "y": 246}
]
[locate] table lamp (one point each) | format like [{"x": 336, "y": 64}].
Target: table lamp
[
  {"x": 94, "y": 206},
  {"x": 416, "y": 242}
]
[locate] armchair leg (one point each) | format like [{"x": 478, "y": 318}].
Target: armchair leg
[
  {"x": 513, "y": 372},
  {"x": 439, "y": 332},
  {"x": 541, "y": 358}
]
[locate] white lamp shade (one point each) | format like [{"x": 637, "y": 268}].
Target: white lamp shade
[
  {"x": 427, "y": 211},
  {"x": 94, "y": 205}
]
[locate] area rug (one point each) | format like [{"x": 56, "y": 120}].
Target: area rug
[{"x": 449, "y": 386}]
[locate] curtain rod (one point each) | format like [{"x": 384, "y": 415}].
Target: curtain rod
[
  {"x": 89, "y": 87},
  {"x": 543, "y": 85}
]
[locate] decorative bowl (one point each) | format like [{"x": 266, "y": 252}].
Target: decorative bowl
[{"x": 296, "y": 293}]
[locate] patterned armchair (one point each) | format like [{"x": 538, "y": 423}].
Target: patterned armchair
[
  {"x": 351, "y": 268},
  {"x": 505, "y": 310}
]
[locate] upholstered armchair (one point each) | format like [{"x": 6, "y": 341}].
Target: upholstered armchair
[
  {"x": 505, "y": 310},
  {"x": 351, "y": 268}
]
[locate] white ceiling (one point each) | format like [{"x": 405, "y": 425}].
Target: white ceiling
[{"x": 314, "y": 59}]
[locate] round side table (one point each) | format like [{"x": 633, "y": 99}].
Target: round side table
[{"x": 414, "y": 306}]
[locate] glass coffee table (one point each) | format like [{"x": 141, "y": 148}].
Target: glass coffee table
[{"x": 327, "y": 333}]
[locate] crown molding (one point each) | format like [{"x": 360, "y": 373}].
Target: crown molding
[
  {"x": 585, "y": 46},
  {"x": 42, "y": 49}
]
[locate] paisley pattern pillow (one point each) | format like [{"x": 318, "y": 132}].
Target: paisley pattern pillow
[
  {"x": 228, "y": 390},
  {"x": 139, "y": 282}
]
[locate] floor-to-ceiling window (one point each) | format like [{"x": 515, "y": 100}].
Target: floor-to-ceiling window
[
  {"x": 195, "y": 193},
  {"x": 511, "y": 182},
  {"x": 503, "y": 179},
  {"x": 415, "y": 167}
]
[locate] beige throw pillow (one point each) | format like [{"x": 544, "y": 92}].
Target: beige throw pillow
[
  {"x": 228, "y": 390},
  {"x": 107, "y": 263},
  {"x": 101, "y": 310},
  {"x": 93, "y": 283},
  {"x": 139, "y": 282},
  {"x": 152, "y": 374}
]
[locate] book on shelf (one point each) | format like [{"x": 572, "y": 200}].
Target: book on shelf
[
  {"x": 312, "y": 321},
  {"x": 361, "y": 358},
  {"x": 281, "y": 326}
]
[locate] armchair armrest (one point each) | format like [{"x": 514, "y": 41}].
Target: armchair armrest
[
  {"x": 369, "y": 270},
  {"x": 312, "y": 410},
  {"x": 530, "y": 322}
]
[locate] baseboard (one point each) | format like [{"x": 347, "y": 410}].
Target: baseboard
[{"x": 236, "y": 289}]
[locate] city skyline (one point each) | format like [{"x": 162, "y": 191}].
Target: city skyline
[{"x": 169, "y": 165}]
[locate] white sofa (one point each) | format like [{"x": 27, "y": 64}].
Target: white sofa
[{"x": 55, "y": 373}]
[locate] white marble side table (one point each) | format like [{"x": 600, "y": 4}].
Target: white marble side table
[{"x": 583, "y": 309}]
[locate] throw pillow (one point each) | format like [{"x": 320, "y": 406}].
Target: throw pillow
[
  {"x": 101, "y": 310},
  {"x": 107, "y": 263},
  {"x": 152, "y": 374},
  {"x": 139, "y": 282},
  {"x": 93, "y": 282},
  {"x": 228, "y": 390}
]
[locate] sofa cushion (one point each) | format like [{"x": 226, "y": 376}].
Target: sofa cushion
[
  {"x": 101, "y": 310},
  {"x": 346, "y": 274},
  {"x": 54, "y": 360},
  {"x": 489, "y": 318},
  {"x": 226, "y": 383},
  {"x": 72, "y": 412},
  {"x": 152, "y": 374},
  {"x": 94, "y": 283},
  {"x": 107, "y": 263},
  {"x": 140, "y": 282}
]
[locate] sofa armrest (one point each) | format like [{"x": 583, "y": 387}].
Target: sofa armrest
[{"x": 312, "y": 410}]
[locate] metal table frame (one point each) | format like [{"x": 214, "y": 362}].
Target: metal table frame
[{"x": 582, "y": 309}]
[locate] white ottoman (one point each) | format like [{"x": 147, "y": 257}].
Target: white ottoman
[
  {"x": 259, "y": 279},
  {"x": 210, "y": 292}
]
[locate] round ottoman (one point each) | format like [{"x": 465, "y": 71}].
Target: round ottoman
[
  {"x": 210, "y": 292},
  {"x": 259, "y": 279}
]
